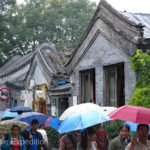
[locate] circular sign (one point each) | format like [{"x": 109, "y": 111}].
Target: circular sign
[{"x": 4, "y": 94}]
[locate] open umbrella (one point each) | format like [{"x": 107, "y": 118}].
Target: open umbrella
[
  {"x": 47, "y": 123},
  {"x": 108, "y": 109},
  {"x": 8, "y": 114},
  {"x": 21, "y": 109},
  {"x": 6, "y": 110},
  {"x": 5, "y": 126},
  {"x": 84, "y": 107},
  {"x": 80, "y": 117},
  {"x": 133, "y": 114},
  {"x": 133, "y": 126},
  {"x": 55, "y": 123},
  {"x": 82, "y": 120},
  {"x": 29, "y": 116}
]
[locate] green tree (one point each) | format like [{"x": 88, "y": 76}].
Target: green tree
[
  {"x": 141, "y": 66},
  {"x": 4, "y": 6},
  {"x": 61, "y": 22}
]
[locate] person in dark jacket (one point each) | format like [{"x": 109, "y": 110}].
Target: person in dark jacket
[
  {"x": 34, "y": 139},
  {"x": 14, "y": 140},
  {"x": 121, "y": 141}
]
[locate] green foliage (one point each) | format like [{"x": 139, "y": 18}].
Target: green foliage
[
  {"x": 141, "y": 65},
  {"x": 5, "y": 5},
  {"x": 141, "y": 97},
  {"x": 60, "y": 22},
  {"x": 53, "y": 137},
  {"x": 112, "y": 129}
]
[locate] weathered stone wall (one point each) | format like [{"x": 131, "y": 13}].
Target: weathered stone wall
[{"x": 102, "y": 53}]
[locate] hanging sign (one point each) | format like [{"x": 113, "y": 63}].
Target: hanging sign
[{"x": 4, "y": 94}]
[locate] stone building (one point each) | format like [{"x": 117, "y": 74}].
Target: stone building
[
  {"x": 99, "y": 68},
  {"x": 12, "y": 75},
  {"x": 31, "y": 77}
]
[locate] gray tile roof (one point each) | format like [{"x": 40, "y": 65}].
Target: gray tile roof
[
  {"x": 144, "y": 19},
  {"x": 62, "y": 87},
  {"x": 16, "y": 62}
]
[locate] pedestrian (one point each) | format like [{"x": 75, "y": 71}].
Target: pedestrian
[
  {"x": 88, "y": 138},
  {"x": 43, "y": 133},
  {"x": 101, "y": 138},
  {"x": 69, "y": 141},
  {"x": 34, "y": 139},
  {"x": 13, "y": 141},
  {"x": 141, "y": 142},
  {"x": 121, "y": 141}
]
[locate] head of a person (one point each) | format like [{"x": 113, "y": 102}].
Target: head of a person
[
  {"x": 42, "y": 126},
  {"x": 15, "y": 130},
  {"x": 35, "y": 124},
  {"x": 97, "y": 127},
  {"x": 89, "y": 135},
  {"x": 124, "y": 131},
  {"x": 143, "y": 131},
  {"x": 19, "y": 112}
]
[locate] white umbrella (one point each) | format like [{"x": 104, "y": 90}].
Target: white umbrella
[
  {"x": 108, "y": 109},
  {"x": 5, "y": 126},
  {"x": 84, "y": 107}
]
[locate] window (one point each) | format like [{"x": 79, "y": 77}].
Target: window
[
  {"x": 88, "y": 86},
  {"x": 114, "y": 85}
]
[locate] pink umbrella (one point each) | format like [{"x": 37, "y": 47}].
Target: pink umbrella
[
  {"x": 7, "y": 110},
  {"x": 133, "y": 114},
  {"x": 47, "y": 123}
]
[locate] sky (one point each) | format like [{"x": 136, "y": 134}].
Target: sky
[{"x": 134, "y": 6}]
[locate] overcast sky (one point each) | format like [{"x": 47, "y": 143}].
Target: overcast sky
[{"x": 137, "y": 6}]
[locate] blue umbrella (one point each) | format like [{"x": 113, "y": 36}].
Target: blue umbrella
[
  {"x": 55, "y": 123},
  {"x": 20, "y": 109},
  {"x": 133, "y": 126},
  {"x": 82, "y": 120},
  {"x": 29, "y": 116},
  {"x": 8, "y": 114}
]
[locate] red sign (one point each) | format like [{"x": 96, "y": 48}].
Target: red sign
[{"x": 4, "y": 94}]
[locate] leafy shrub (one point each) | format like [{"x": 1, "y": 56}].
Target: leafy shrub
[
  {"x": 141, "y": 66},
  {"x": 140, "y": 97},
  {"x": 112, "y": 128},
  {"x": 53, "y": 137}
]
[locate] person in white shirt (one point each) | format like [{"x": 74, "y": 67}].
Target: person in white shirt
[
  {"x": 141, "y": 142},
  {"x": 43, "y": 133}
]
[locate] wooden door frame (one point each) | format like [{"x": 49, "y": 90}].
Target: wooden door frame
[
  {"x": 83, "y": 73},
  {"x": 107, "y": 70},
  {"x": 39, "y": 102}
]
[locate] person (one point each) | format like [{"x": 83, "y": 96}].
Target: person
[
  {"x": 141, "y": 142},
  {"x": 43, "y": 133},
  {"x": 88, "y": 138},
  {"x": 34, "y": 139},
  {"x": 14, "y": 141},
  {"x": 120, "y": 142},
  {"x": 69, "y": 141},
  {"x": 101, "y": 138},
  {"x": 1, "y": 139}
]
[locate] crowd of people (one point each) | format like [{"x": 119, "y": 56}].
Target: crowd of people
[
  {"x": 34, "y": 139},
  {"x": 95, "y": 138},
  {"x": 91, "y": 138}
]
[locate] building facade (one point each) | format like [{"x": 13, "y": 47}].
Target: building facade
[{"x": 100, "y": 67}]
